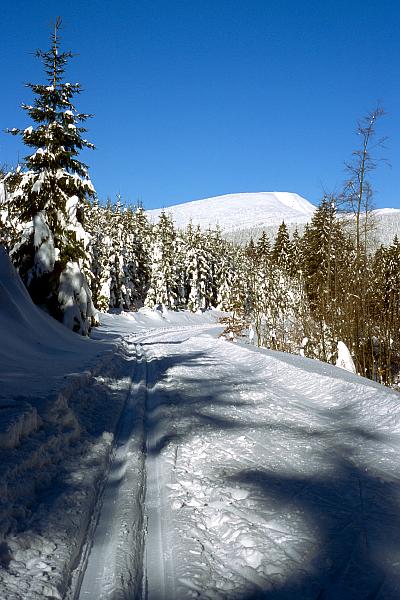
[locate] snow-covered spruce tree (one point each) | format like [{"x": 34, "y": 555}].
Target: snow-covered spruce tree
[
  {"x": 10, "y": 226},
  {"x": 323, "y": 246},
  {"x": 218, "y": 254},
  {"x": 163, "y": 276},
  {"x": 263, "y": 248},
  {"x": 130, "y": 263},
  {"x": 225, "y": 276},
  {"x": 197, "y": 270},
  {"x": 297, "y": 255},
  {"x": 100, "y": 224},
  {"x": 120, "y": 280},
  {"x": 215, "y": 248},
  {"x": 119, "y": 255},
  {"x": 47, "y": 196},
  {"x": 140, "y": 228},
  {"x": 260, "y": 274},
  {"x": 6, "y": 227},
  {"x": 282, "y": 252},
  {"x": 181, "y": 273}
]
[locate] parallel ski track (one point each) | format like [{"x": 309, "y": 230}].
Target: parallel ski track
[
  {"x": 100, "y": 573},
  {"x": 103, "y": 570},
  {"x": 158, "y": 561}
]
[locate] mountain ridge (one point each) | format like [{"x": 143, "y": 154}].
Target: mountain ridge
[{"x": 238, "y": 211}]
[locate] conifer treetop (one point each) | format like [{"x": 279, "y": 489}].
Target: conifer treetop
[{"x": 58, "y": 135}]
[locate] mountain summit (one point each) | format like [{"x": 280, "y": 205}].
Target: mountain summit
[{"x": 234, "y": 212}]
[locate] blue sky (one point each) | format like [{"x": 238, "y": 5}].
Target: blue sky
[{"x": 200, "y": 98}]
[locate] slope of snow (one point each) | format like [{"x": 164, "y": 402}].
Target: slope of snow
[
  {"x": 245, "y": 216},
  {"x": 386, "y": 211},
  {"x": 240, "y": 211},
  {"x": 33, "y": 345},
  {"x": 48, "y": 437}
]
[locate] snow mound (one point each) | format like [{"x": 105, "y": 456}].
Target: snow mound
[
  {"x": 57, "y": 419},
  {"x": 234, "y": 212},
  {"x": 33, "y": 344},
  {"x": 344, "y": 359}
]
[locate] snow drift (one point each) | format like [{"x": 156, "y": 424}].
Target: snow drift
[
  {"x": 33, "y": 344},
  {"x": 56, "y": 419}
]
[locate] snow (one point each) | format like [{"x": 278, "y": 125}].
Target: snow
[
  {"x": 34, "y": 346},
  {"x": 386, "y": 211},
  {"x": 2, "y": 193},
  {"x": 260, "y": 471},
  {"x": 38, "y": 184},
  {"x": 45, "y": 255},
  {"x": 43, "y": 367},
  {"x": 75, "y": 299},
  {"x": 246, "y": 215},
  {"x": 344, "y": 359},
  {"x": 240, "y": 211},
  {"x": 157, "y": 460}
]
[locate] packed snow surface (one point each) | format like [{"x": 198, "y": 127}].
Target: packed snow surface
[
  {"x": 240, "y": 211},
  {"x": 168, "y": 463}
]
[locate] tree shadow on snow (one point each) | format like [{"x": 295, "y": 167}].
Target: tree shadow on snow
[
  {"x": 348, "y": 547},
  {"x": 351, "y": 547}
]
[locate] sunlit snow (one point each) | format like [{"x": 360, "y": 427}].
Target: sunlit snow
[
  {"x": 241, "y": 211},
  {"x": 235, "y": 472}
]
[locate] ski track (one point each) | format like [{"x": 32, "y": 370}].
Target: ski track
[{"x": 259, "y": 479}]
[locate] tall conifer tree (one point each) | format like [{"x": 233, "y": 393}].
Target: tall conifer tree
[
  {"x": 47, "y": 197},
  {"x": 282, "y": 253}
]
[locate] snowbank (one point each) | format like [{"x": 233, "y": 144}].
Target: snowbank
[
  {"x": 60, "y": 399},
  {"x": 34, "y": 347}
]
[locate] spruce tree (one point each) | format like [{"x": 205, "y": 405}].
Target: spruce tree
[
  {"x": 263, "y": 248},
  {"x": 217, "y": 251},
  {"x": 384, "y": 304},
  {"x": 163, "y": 282},
  {"x": 47, "y": 196},
  {"x": 100, "y": 224},
  {"x": 141, "y": 230},
  {"x": 297, "y": 255},
  {"x": 282, "y": 252},
  {"x": 325, "y": 250},
  {"x": 197, "y": 270}
]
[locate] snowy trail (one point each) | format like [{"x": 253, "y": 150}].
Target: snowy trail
[
  {"x": 112, "y": 564},
  {"x": 268, "y": 476},
  {"x": 156, "y": 557}
]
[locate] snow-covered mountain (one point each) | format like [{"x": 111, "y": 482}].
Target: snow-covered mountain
[
  {"x": 247, "y": 215},
  {"x": 395, "y": 212},
  {"x": 233, "y": 212}
]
